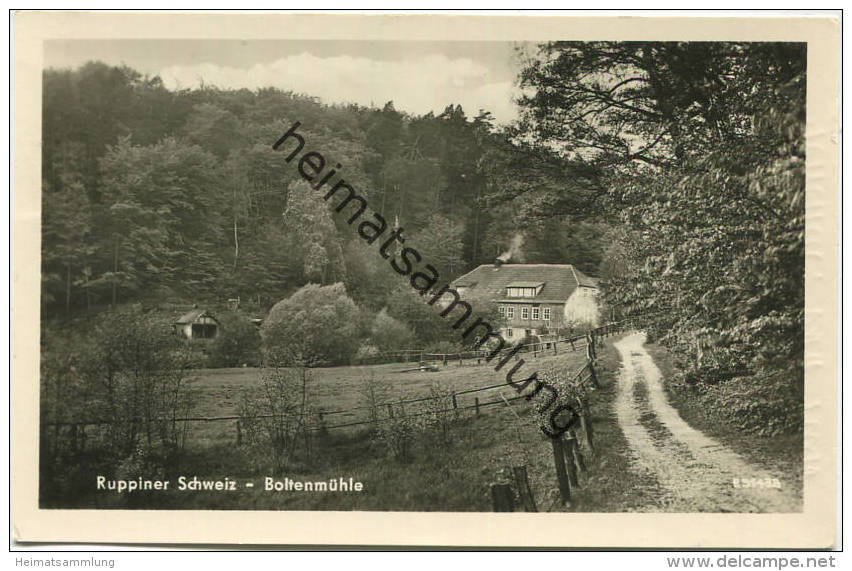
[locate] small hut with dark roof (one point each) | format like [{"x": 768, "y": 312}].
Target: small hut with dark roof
[{"x": 197, "y": 324}]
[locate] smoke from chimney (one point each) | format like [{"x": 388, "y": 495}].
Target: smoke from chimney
[{"x": 514, "y": 252}]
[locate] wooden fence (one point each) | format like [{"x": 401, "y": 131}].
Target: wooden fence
[
  {"x": 512, "y": 490},
  {"x": 573, "y": 343}
]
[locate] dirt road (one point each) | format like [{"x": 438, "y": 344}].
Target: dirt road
[{"x": 695, "y": 472}]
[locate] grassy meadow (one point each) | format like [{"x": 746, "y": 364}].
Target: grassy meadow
[
  {"x": 441, "y": 475},
  {"x": 217, "y": 391}
]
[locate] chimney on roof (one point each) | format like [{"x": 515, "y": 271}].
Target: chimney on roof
[{"x": 502, "y": 259}]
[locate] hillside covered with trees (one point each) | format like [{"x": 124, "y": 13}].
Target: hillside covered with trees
[{"x": 157, "y": 194}]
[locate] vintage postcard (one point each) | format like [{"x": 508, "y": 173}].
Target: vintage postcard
[{"x": 369, "y": 279}]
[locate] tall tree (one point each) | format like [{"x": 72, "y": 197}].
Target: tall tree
[
  {"x": 160, "y": 214},
  {"x": 703, "y": 149},
  {"x": 67, "y": 246},
  {"x": 308, "y": 220}
]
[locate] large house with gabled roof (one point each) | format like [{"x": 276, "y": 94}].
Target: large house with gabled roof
[{"x": 534, "y": 297}]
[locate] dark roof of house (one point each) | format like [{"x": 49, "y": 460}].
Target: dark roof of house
[
  {"x": 193, "y": 316},
  {"x": 560, "y": 280}
]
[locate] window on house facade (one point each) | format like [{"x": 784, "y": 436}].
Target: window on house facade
[
  {"x": 523, "y": 290},
  {"x": 508, "y": 333},
  {"x": 502, "y": 310},
  {"x": 510, "y": 312},
  {"x": 525, "y": 313},
  {"x": 536, "y": 313},
  {"x": 546, "y": 314}
]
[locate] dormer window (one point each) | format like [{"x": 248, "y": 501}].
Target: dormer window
[{"x": 524, "y": 289}]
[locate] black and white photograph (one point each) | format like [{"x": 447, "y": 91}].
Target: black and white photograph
[{"x": 408, "y": 275}]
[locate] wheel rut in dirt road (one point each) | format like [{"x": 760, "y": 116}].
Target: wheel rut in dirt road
[{"x": 696, "y": 472}]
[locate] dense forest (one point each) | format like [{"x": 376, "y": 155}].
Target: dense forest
[
  {"x": 157, "y": 194},
  {"x": 673, "y": 171}
]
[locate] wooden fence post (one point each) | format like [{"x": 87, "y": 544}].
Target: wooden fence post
[
  {"x": 559, "y": 464},
  {"x": 390, "y": 410},
  {"x": 568, "y": 446},
  {"x": 476, "y": 404},
  {"x": 321, "y": 420},
  {"x": 239, "y": 434},
  {"x": 501, "y": 498},
  {"x": 455, "y": 404},
  {"x": 307, "y": 445},
  {"x": 522, "y": 483},
  {"x": 586, "y": 426},
  {"x": 578, "y": 455},
  {"x": 593, "y": 376}
]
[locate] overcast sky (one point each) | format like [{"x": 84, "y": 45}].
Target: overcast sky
[{"x": 417, "y": 76}]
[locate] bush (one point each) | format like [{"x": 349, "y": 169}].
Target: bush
[
  {"x": 439, "y": 409},
  {"x": 238, "y": 342},
  {"x": 528, "y": 340},
  {"x": 274, "y": 415},
  {"x": 143, "y": 462},
  {"x": 139, "y": 373},
  {"x": 390, "y": 334},
  {"x": 317, "y": 325},
  {"x": 129, "y": 371},
  {"x": 397, "y": 434},
  {"x": 366, "y": 354},
  {"x": 374, "y": 393},
  {"x": 768, "y": 405}
]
